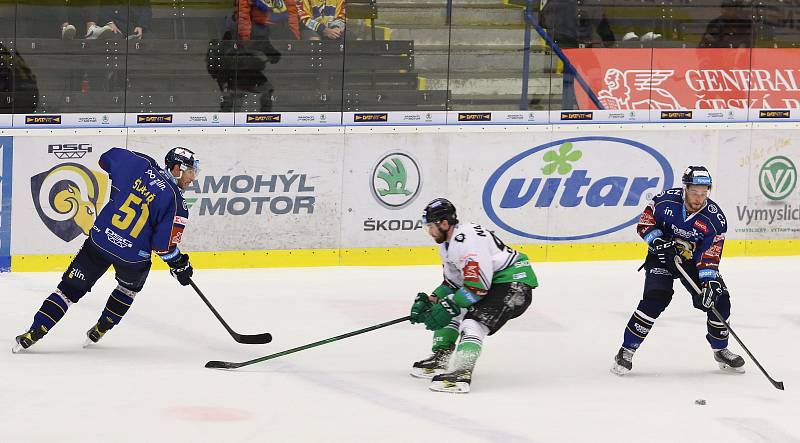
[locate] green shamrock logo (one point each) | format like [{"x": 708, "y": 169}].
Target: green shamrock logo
[{"x": 560, "y": 160}]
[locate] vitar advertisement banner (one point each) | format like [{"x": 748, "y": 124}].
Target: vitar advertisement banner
[
  {"x": 679, "y": 78},
  {"x": 59, "y": 188},
  {"x": 258, "y": 192},
  {"x": 573, "y": 187}
]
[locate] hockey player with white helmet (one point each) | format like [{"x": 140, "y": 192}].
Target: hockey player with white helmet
[
  {"x": 486, "y": 283},
  {"x": 682, "y": 222}
]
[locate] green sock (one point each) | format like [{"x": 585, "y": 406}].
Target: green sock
[
  {"x": 444, "y": 338},
  {"x": 466, "y": 355}
]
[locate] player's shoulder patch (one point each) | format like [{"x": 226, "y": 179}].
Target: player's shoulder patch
[
  {"x": 673, "y": 194},
  {"x": 714, "y": 213},
  {"x": 669, "y": 196}
]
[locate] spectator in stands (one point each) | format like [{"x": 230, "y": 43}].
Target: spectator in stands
[
  {"x": 267, "y": 19},
  {"x": 82, "y": 11},
  {"x": 561, "y": 21},
  {"x": 732, "y": 29},
  {"x": 239, "y": 69},
  {"x": 294, "y": 18},
  {"x": 321, "y": 19},
  {"x": 126, "y": 18}
]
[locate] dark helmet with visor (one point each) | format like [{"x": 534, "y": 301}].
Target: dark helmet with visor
[
  {"x": 439, "y": 209},
  {"x": 183, "y": 157},
  {"x": 696, "y": 175}
]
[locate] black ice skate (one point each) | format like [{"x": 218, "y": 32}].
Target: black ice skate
[
  {"x": 456, "y": 382},
  {"x": 729, "y": 361},
  {"x": 97, "y": 331},
  {"x": 623, "y": 362},
  {"x": 433, "y": 365},
  {"x": 27, "y": 339}
]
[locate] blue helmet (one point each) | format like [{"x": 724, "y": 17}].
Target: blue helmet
[
  {"x": 183, "y": 157},
  {"x": 696, "y": 175}
]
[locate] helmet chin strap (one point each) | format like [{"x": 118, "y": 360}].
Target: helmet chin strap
[{"x": 170, "y": 175}]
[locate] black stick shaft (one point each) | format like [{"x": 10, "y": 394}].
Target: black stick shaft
[
  {"x": 214, "y": 311},
  {"x": 315, "y": 344},
  {"x": 258, "y": 339},
  {"x": 776, "y": 384}
]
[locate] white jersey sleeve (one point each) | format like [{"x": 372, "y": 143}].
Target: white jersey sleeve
[{"x": 473, "y": 255}]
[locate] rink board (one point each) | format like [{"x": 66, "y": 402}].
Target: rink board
[{"x": 281, "y": 197}]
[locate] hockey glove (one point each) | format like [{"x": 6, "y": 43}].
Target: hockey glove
[
  {"x": 664, "y": 250},
  {"x": 440, "y": 314},
  {"x": 181, "y": 269},
  {"x": 421, "y": 306},
  {"x": 712, "y": 289}
]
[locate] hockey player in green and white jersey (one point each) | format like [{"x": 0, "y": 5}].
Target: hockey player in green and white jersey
[{"x": 486, "y": 283}]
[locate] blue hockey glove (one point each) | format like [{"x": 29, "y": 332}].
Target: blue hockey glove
[
  {"x": 664, "y": 250},
  {"x": 181, "y": 269}
]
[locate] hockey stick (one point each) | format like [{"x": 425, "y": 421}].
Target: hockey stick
[
  {"x": 231, "y": 365},
  {"x": 776, "y": 384},
  {"x": 258, "y": 339}
]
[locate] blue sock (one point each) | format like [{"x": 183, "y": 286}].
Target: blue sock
[
  {"x": 117, "y": 306},
  {"x": 638, "y": 327},
  {"x": 52, "y": 311},
  {"x": 717, "y": 334}
]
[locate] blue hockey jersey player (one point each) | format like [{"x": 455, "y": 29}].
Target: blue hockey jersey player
[
  {"x": 146, "y": 213},
  {"x": 682, "y": 222}
]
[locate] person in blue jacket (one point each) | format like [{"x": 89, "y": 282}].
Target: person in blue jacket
[
  {"x": 682, "y": 222},
  {"x": 146, "y": 213}
]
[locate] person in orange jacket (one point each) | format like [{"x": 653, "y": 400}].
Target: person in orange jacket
[{"x": 267, "y": 19}]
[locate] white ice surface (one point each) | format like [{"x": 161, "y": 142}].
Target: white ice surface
[{"x": 544, "y": 378}]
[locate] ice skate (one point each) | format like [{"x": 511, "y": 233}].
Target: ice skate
[
  {"x": 456, "y": 382},
  {"x": 97, "y": 332},
  {"x": 433, "y": 365},
  {"x": 728, "y": 361},
  {"x": 623, "y": 362},
  {"x": 27, "y": 339}
]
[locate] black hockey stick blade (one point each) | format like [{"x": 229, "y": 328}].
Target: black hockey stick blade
[
  {"x": 256, "y": 339},
  {"x": 214, "y": 364}
]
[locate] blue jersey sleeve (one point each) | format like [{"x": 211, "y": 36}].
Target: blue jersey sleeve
[
  {"x": 113, "y": 158},
  {"x": 110, "y": 162},
  {"x": 709, "y": 251},
  {"x": 654, "y": 220},
  {"x": 170, "y": 222}
]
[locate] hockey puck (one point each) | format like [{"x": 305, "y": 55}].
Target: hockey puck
[{"x": 700, "y": 402}]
